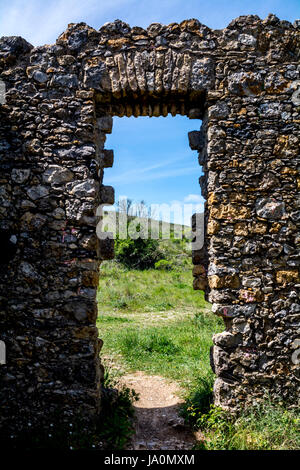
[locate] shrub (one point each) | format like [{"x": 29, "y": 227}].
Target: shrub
[
  {"x": 137, "y": 254},
  {"x": 163, "y": 264}
]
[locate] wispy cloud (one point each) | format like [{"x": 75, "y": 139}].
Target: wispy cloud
[
  {"x": 193, "y": 198},
  {"x": 147, "y": 174}
]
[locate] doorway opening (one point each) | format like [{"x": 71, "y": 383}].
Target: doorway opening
[{"x": 157, "y": 330}]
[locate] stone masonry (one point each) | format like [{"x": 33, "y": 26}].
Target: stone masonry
[{"x": 243, "y": 82}]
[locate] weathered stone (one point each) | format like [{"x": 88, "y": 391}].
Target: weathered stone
[
  {"x": 37, "y": 192},
  {"x": 198, "y": 269},
  {"x": 55, "y": 174},
  {"x": 90, "y": 279},
  {"x": 68, "y": 80},
  {"x": 251, "y": 282},
  {"x": 220, "y": 361},
  {"x": 249, "y": 296},
  {"x": 105, "y": 124},
  {"x": 245, "y": 83},
  {"x": 232, "y": 311},
  {"x": 106, "y": 159},
  {"x": 217, "y": 282},
  {"x": 88, "y": 188},
  {"x": 218, "y": 111},
  {"x": 202, "y": 74},
  {"x": 226, "y": 340},
  {"x": 106, "y": 248},
  {"x": 270, "y": 110},
  {"x": 213, "y": 227},
  {"x": 241, "y": 229},
  {"x": 196, "y": 140},
  {"x": 97, "y": 77},
  {"x": 40, "y": 76},
  {"x": 284, "y": 277},
  {"x": 268, "y": 208},
  {"x": 12, "y": 47},
  {"x": 199, "y": 283},
  {"x": 20, "y": 176},
  {"x": 247, "y": 40},
  {"x": 27, "y": 270},
  {"x": 230, "y": 212},
  {"x": 107, "y": 195}
]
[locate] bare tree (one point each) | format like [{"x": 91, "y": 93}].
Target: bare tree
[
  {"x": 140, "y": 209},
  {"x": 124, "y": 205}
]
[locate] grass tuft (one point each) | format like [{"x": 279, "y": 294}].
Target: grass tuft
[{"x": 267, "y": 426}]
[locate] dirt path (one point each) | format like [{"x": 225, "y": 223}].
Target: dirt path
[{"x": 157, "y": 423}]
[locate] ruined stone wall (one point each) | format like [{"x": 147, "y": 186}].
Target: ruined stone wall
[{"x": 243, "y": 82}]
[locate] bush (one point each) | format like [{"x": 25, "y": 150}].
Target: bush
[
  {"x": 163, "y": 264},
  {"x": 137, "y": 254}
]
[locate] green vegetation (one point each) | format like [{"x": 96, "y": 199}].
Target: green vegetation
[
  {"x": 137, "y": 254},
  {"x": 176, "y": 349},
  {"x": 152, "y": 320},
  {"x": 123, "y": 291},
  {"x": 147, "y": 253},
  {"x": 117, "y": 412},
  {"x": 267, "y": 426}
]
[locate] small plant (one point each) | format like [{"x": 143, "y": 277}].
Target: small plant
[
  {"x": 199, "y": 400},
  {"x": 267, "y": 426},
  {"x": 115, "y": 425},
  {"x": 163, "y": 264}
]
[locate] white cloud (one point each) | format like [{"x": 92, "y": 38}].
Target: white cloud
[
  {"x": 137, "y": 176},
  {"x": 193, "y": 198},
  {"x": 149, "y": 173}
]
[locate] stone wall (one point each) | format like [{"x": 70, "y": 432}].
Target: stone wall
[{"x": 243, "y": 82}]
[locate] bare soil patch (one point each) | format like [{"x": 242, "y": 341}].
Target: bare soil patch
[{"x": 158, "y": 425}]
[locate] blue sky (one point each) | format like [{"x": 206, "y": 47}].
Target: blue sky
[
  {"x": 152, "y": 157},
  {"x": 41, "y": 21},
  {"x": 153, "y": 161}
]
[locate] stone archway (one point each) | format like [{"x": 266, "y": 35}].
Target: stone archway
[{"x": 243, "y": 82}]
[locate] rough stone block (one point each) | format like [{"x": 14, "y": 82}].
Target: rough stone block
[
  {"x": 106, "y": 249},
  {"x": 105, "y": 124},
  {"x": 107, "y": 195},
  {"x": 106, "y": 158}
]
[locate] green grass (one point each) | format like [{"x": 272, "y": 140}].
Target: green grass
[
  {"x": 155, "y": 322},
  {"x": 177, "y": 350},
  {"x": 267, "y": 426},
  {"x": 123, "y": 291}
]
